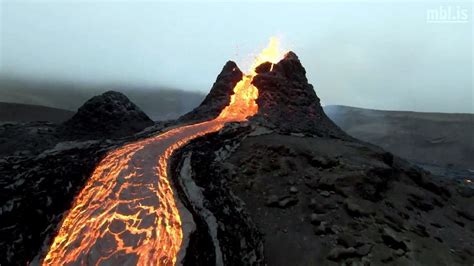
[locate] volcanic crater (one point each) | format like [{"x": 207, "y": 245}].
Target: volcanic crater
[
  {"x": 283, "y": 186},
  {"x": 303, "y": 192}
]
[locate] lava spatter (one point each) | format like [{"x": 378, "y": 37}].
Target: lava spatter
[{"x": 127, "y": 212}]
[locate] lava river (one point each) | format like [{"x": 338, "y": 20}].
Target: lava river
[{"x": 128, "y": 213}]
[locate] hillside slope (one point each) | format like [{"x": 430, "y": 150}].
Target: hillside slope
[
  {"x": 159, "y": 103},
  {"x": 26, "y": 113},
  {"x": 440, "y": 139}
]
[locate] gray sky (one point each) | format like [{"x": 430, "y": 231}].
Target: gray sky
[{"x": 379, "y": 54}]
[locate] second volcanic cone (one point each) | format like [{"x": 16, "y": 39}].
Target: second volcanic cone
[{"x": 288, "y": 102}]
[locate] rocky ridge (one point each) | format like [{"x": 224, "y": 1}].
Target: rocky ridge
[
  {"x": 44, "y": 165},
  {"x": 218, "y": 97},
  {"x": 286, "y": 187},
  {"x": 288, "y": 103},
  {"x": 108, "y": 115},
  {"x": 317, "y": 196}
]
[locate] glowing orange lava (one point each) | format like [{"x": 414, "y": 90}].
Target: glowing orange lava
[
  {"x": 127, "y": 213},
  {"x": 242, "y": 102}
]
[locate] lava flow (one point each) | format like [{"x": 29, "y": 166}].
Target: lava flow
[{"x": 127, "y": 213}]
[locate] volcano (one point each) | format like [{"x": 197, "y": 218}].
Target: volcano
[
  {"x": 297, "y": 190},
  {"x": 255, "y": 175}
]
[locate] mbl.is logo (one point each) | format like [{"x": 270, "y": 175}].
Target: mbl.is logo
[{"x": 447, "y": 14}]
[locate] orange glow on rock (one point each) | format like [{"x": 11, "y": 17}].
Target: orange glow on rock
[
  {"x": 128, "y": 213},
  {"x": 272, "y": 53},
  {"x": 242, "y": 102}
]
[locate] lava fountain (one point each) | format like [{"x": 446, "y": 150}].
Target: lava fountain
[{"x": 127, "y": 213}]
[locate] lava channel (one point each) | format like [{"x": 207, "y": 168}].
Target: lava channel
[{"x": 128, "y": 213}]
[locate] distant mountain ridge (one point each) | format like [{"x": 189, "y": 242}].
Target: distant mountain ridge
[
  {"x": 16, "y": 112},
  {"x": 351, "y": 202},
  {"x": 442, "y": 139},
  {"x": 159, "y": 103}
]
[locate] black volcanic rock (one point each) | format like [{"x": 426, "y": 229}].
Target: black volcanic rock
[
  {"x": 339, "y": 201},
  {"x": 353, "y": 203},
  {"x": 51, "y": 165},
  {"x": 110, "y": 114},
  {"x": 288, "y": 102},
  {"x": 218, "y": 97},
  {"x": 237, "y": 238},
  {"x": 36, "y": 191}
]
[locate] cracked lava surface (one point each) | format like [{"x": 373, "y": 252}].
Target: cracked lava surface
[{"x": 127, "y": 213}]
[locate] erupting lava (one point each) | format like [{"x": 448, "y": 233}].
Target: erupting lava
[
  {"x": 127, "y": 213},
  {"x": 242, "y": 102}
]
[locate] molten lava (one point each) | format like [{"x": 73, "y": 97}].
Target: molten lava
[
  {"x": 128, "y": 213},
  {"x": 242, "y": 102}
]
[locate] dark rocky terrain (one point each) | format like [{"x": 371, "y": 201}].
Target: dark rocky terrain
[
  {"x": 37, "y": 190},
  {"x": 15, "y": 112},
  {"x": 44, "y": 165},
  {"x": 325, "y": 202},
  {"x": 218, "y": 97},
  {"x": 217, "y": 211},
  {"x": 107, "y": 116},
  {"x": 159, "y": 103},
  {"x": 287, "y": 187},
  {"x": 110, "y": 114},
  {"x": 440, "y": 142},
  {"x": 288, "y": 102},
  {"x": 320, "y": 197}
]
